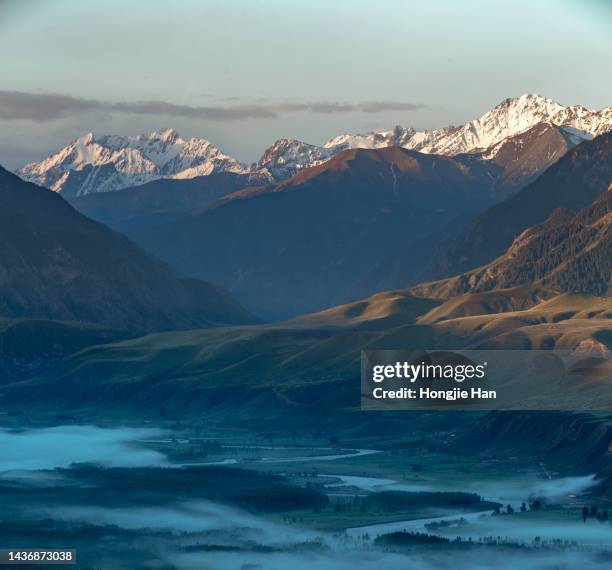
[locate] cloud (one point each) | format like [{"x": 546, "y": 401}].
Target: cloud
[
  {"x": 43, "y": 107},
  {"x": 381, "y": 106}
]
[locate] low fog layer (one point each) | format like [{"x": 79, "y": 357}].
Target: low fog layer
[
  {"x": 49, "y": 448},
  {"x": 260, "y": 543},
  {"x": 352, "y": 559},
  {"x": 197, "y": 517}
]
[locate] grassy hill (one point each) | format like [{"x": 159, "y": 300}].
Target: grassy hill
[{"x": 308, "y": 367}]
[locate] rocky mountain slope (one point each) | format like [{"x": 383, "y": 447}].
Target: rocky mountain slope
[
  {"x": 286, "y": 157},
  {"x": 55, "y": 263}
]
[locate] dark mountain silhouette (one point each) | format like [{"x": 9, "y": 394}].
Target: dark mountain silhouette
[
  {"x": 332, "y": 233},
  {"x": 299, "y": 245},
  {"x": 28, "y": 346},
  {"x": 55, "y": 263},
  {"x": 160, "y": 201}
]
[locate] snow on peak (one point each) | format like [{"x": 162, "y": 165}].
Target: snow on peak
[
  {"x": 100, "y": 164},
  {"x": 509, "y": 118},
  {"x": 287, "y": 156},
  {"x": 87, "y": 138},
  {"x": 166, "y": 135}
]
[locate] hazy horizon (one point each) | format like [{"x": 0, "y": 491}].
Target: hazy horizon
[{"x": 306, "y": 71}]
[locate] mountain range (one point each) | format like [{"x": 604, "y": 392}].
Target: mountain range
[
  {"x": 99, "y": 164},
  {"x": 530, "y": 217},
  {"x": 158, "y": 202},
  {"x": 351, "y": 221},
  {"x": 91, "y": 164},
  {"x": 549, "y": 290},
  {"x": 509, "y": 118},
  {"x": 515, "y": 162},
  {"x": 374, "y": 219},
  {"x": 300, "y": 245},
  {"x": 571, "y": 183}
]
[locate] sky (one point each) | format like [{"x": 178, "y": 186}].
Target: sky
[{"x": 243, "y": 73}]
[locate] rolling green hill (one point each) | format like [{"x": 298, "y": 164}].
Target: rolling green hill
[{"x": 308, "y": 367}]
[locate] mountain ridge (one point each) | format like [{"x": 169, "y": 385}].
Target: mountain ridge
[
  {"x": 101, "y": 164},
  {"x": 111, "y": 162},
  {"x": 296, "y": 246},
  {"x": 307, "y": 367},
  {"x": 573, "y": 182},
  {"x": 55, "y": 263},
  {"x": 569, "y": 252},
  {"x": 510, "y": 117},
  {"x": 159, "y": 201}
]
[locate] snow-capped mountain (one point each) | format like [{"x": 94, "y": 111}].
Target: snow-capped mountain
[
  {"x": 287, "y": 156},
  {"x": 101, "y": 164},
  {"x": 508, "y": 119}
]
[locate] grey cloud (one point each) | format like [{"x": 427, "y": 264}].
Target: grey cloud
[
  {"x": 41, "y": 107},
  {"x": 381, "y": 106},
  {"x": 212, "y": 113}
]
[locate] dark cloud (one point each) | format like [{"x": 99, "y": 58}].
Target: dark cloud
[
  {"x": 381, "y": 106},
  {"x": 213, "y": 113},
  {"x": 41, "y": 107}
]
